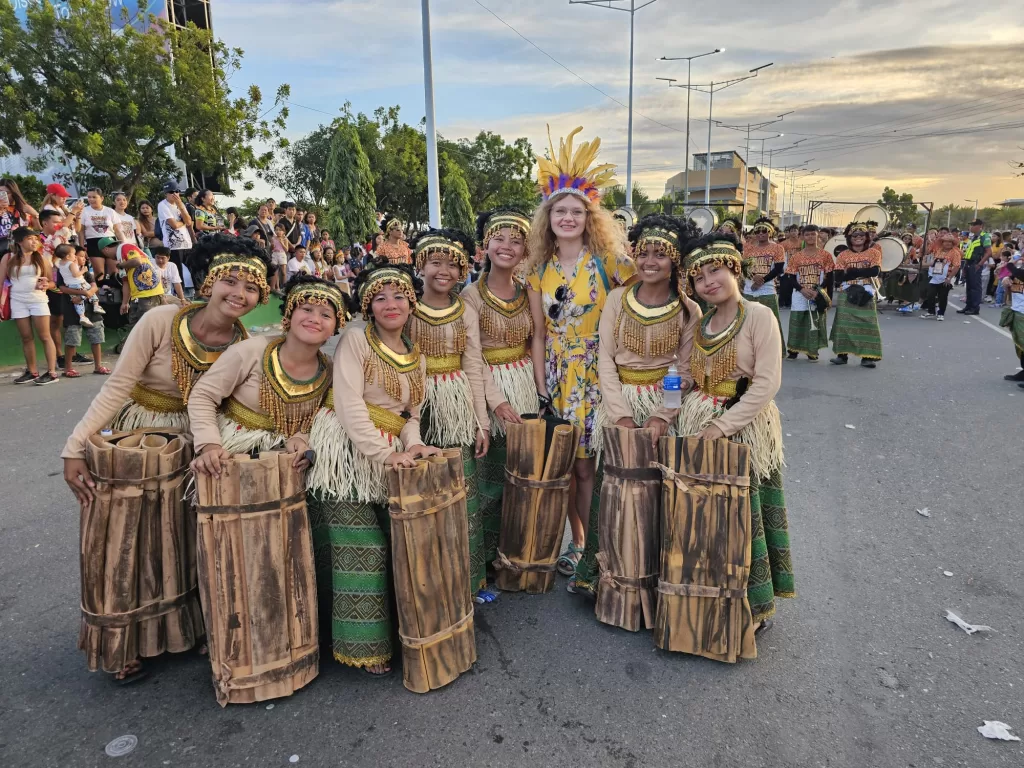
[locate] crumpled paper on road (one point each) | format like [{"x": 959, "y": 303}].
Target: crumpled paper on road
[
  {"x": 970, "y": 629},
  {"x": 993, "y": 729}
]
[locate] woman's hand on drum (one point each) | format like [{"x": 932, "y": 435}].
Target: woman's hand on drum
[
  {"x": 506, "y": 414},
  {"x": 627, "y": 423},
  {"x": 483, "y": 443},
  {"x": 76, "y": 475},
  {"x": 658, "y": 427},
  {"x": 210, "y": 460},
  {"x": 299, "y": 447},
  {"x": 710, "y": 432},
  {"x": 423, "y": 451},
  {"x": 404, "y": 459}
]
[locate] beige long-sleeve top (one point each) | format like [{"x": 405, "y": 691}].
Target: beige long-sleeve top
[
  {"x": 611, "y": 354},
  {"x": 474, "y": 301},
  {"x": 146, "y": 360},
  {"x": 352, "y": 392},
  {"x": 757, "y": 358},
  {"x": 472, "y": 360},
  {"x": 236, "y": 374}
]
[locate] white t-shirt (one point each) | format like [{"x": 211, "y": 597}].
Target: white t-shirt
[
  {"x": 169, "y": 277},
  {"x": 129, "y": 228},
  {"x": 295, "y": 266},
  {"x": 938, "y": 272},
  {"x": 174, "y": 239},
  {"x": 97, "y": 224}
]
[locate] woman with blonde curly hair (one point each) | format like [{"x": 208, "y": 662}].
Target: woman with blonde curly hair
[{"x": 577, "y": 256}]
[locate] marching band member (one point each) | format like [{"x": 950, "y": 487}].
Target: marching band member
[
  {"x": 768, "y": 262},
  {"x": 394, "y": 248},
  {"x": 737, "y": 371},
  {"x": 809, "y": 268},
  {"x": 855, "y": 326},
  {"x": 787, "y": 284},
  {"x": 577, "y": 256},
  {"x": 506, "y": 325},
  {"x": 645, "y": 328},
  {"x": 447, "y": 332}
]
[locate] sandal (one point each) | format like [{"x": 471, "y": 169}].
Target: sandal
[
  {"x": 765, "y": 626},
  {"x": 373, "y": 674},
  {"x": 71, "y": 373},
  {"x": 138, "y": 673},
  {"x": 102, "y": 370},
  {"x": 566, "y": 564}
]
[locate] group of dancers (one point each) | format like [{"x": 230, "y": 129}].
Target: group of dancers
[{"x": 572, "y": 316}]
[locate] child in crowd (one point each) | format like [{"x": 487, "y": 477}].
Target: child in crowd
[
  {"x": 74, "y": 302},
  {"x": 299, "y": 263},
  {"x": 73, "y": 275},
  {"x": 1003, "y": 273},
  {"x": 279, "y": 257},
  {"x": 168, "y": 272}
]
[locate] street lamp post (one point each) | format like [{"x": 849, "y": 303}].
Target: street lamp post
[
  {"x": 746, "y": 150},
  {"x": 631, "y": 10},
  {"x": 433, "y": 181},
  {"x": 710, "y": 89},
  {"x": 686, "y": 151},
  {"x": 968, "y": 200}
]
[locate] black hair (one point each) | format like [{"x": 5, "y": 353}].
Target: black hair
[
  {"x": 685, "y": 229},
  {"x": 97, "y": 190},
  {"x": 199, "y": 260},
  {"x": 62, "y": 249},
  {"x": 17, "y": 199},
  {"x": 48, "y": 214},
  {"x": 159, "y": 250},
  {"x": 731, "y": 220},
  {"x": 455, "y": 235},
  {"x": 811, "y": 228},
  {"x": 388, "y": 218},
  {"x": 764, "y": 220}
]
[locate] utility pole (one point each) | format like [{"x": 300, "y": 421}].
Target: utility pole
[{"x": 433, "y": 178}]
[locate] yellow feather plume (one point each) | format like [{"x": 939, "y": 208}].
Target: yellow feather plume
[{"x": 568, "y": 170}]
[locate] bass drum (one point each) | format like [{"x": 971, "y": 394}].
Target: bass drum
[
  {"x": 836, "y": 245},
  {"x": 705, "y": 218},
  {"x": 874, "y": 213},
  {"x": 894, "y": 251}
]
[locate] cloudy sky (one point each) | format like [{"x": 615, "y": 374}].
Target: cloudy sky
[{"x": 926, "y": 96}]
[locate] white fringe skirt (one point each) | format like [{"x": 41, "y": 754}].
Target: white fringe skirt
[{"x": 516, "y": 383}]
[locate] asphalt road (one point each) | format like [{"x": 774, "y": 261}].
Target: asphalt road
[{"x": 862, "y": 669}]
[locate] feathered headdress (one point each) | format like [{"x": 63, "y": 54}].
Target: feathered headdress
[{"x": 570, "y": 173}]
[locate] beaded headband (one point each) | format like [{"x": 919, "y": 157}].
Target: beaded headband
[
  {"x": 430, "y": 244},
  {"x": 668, "y": 240},
  {"x": 763, "y": 226},
  {"x": 380, "y": 278},
  {"x": 857, "y": 226},
  {"x": 722, "y": 253},
  {"x": 393, "y": 224},
  {"x": 730, "y": 224},
  {"x": 251, "y": 269},
  {"x": 325, "y": 294},
  {"x": 503, "y": 220}
]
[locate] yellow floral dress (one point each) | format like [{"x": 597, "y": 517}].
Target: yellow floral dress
[{"x": 572, "y": 310}]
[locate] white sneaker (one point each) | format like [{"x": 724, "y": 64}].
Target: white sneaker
[
  {"x": 925, "y": 316},
  {"x": 98, "y": 309},
  {"x": 85, "y": 321},
  {"x": 940, "y": 318}
]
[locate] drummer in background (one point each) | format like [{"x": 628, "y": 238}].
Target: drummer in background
[
  {"x": 855, "y": 326},
  {"x": 731, "y": 226},
  {"x": 768, "y": 262},
  {"x": 918, "y": 242},
  {"x": 787, "y": 283},
  {"x": 872, "y": 232}
]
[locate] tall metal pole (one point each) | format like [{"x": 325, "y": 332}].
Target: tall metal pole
[
  {"x": 782, "y": 213},
  {"x": 769, "y": 208},
  {"x": 686, "y": 154},
  {"x": 433, "y": 177},
  {"x": 707, "y": 160},
  {"x": 629, "y": 139},
  {"x": 746, "y": 154}
]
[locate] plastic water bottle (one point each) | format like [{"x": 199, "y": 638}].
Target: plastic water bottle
[
  {"x": 106, "y": 433},
  {"x": 673, "y": 388}
]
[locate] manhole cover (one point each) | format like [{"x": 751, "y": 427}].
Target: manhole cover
[{"x": 121, "y": 746}]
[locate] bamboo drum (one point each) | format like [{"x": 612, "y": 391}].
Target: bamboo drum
[
  {"x": 257, "y": 578},
  {"x": 430, "y": 562},
  {"x": 137, "y": 550},
  {"x": 628, "y": 532},
  {"x": 535, "y": 504},
  {"x": 705, "y": 550}
]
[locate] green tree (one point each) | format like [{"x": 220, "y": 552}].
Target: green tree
[
  {"x": 348, "y": 186},
  {"x": 32, "y": 189},
  {"x": 301, "y": 170},
  {"x": 121, "y": 100},
  {"x": 249, "y": 207},
  {"x": 456, "y": 208},
  {"x": 497, "y": 173},
  {"x": 901, "y": 208},
  {"x": 615, "y": 197}
]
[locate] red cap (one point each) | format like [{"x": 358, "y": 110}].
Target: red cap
[{"x": 56, "y": 189}]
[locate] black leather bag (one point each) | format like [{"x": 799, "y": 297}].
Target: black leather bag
[{"x": 858, "y": 295}]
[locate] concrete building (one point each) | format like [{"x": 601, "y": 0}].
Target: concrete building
[{"x": 727, "y": 172}]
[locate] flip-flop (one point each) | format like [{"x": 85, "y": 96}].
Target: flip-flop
[
  {"x": 765, "y": 626},
  {"x": 102, "y": 371},
  {"x": 71, "y": 373},
  {"x": 138, "y": 675}
]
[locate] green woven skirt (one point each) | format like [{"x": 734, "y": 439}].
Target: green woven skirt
[
  {"x": 771, "y": 563},
  {"x": 802, "y": 337},
  {"x": 352, "y": 558},
  {"x": 1014, "y": 321},
  {"x": 855, "y": 329},
  {"x": 587, "y": 571},
  {"x": 772, "y": 302},
  {"x": 491, "y": 485}
]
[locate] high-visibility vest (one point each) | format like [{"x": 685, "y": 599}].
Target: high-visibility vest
[{"x": 975, "y": 243}]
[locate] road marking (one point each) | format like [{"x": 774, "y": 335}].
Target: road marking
[{"x": 995, "y": 328}]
